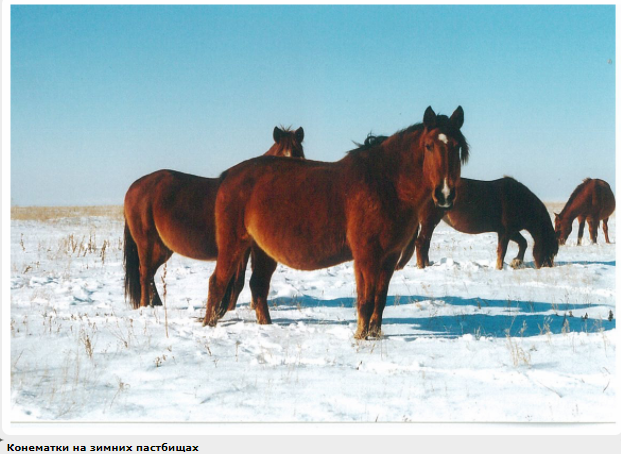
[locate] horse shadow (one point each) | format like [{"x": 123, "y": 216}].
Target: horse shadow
[
  {"x": 585, "y": 262},
  {"x": 517, "y": 318}
]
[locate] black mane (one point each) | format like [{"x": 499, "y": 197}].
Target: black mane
[{"x": 442, "y": 121}]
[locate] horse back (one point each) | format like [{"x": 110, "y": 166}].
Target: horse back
[{"x": 593, "y": 198}]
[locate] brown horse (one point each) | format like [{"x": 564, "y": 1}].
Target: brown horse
[
  {"x": 168, "y": 211},
  {"x": 592, "y": 201},
  {"x": 504, "y": 206},
  {"x": 310, "y": 215}
]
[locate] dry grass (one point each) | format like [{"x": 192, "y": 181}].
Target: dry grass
[{"x": 51, "y": 213}]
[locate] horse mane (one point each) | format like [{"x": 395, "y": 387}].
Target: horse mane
[
  {"x": 371, "y": 141},
  {"x": 442, "y": 121},
  {"x": 575, "y": 194}
]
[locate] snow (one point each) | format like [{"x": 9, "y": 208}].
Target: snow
[{"x": 462, "y": 341}]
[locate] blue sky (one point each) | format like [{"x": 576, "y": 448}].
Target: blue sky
[{"x": 101, "y": 95}]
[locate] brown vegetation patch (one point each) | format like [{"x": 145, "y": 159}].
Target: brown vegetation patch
[{"x": 35, "y": 213}]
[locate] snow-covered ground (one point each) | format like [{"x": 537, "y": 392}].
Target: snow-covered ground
[{"x": 462, "y": 340}]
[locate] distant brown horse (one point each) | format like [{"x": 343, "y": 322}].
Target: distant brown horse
[
  {"x": 310, "y": 215},
  {"x": 504, "y": 206},
  {"x": 168, "y": 211},
  {"x": 592, "y": 201}
]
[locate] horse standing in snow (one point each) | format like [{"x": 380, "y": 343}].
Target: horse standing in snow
[
  {"x": 591, "y": 201},
  {"x": 310, "y": 215},
  {"x": 503, "y": 206},
  {"x": 168, "y": 211}
]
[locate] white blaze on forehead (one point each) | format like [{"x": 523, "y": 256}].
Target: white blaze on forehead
[
  {"x": 443, "y": 138},
  {"x": 287, "y": 154}
]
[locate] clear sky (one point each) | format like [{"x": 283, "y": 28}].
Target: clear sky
[{"x": 102, "y": 95}]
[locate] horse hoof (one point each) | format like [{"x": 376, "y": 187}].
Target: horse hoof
[
  {"x": 210, "y": 322},
  {"x": 360, "y": 335},
  {"x": 517, "y": 263}
]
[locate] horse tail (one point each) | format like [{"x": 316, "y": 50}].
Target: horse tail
[{"x": 131, "y": 263}]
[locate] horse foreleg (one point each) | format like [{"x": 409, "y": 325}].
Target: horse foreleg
[
  {"x": 237, "y": 283},
  {"x": 364, "y": 291},
  {"x": 381, "y": 291},
  {"x": 263, "y": 268},
  {"x": 581, "y": 220},
  {"x": 605, "y": 227},
  {"x": 503, "y": 242},
  {"x": 518, "y": 261},
  {"x": 593, "y": 225}
]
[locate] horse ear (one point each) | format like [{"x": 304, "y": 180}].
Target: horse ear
[
  {"x": 556, "y": 215},
  {"x": 457, "y": 119},
  {"x": 429, "y": 119},
  {"x": 277, "y": 134},
  {"x": 299, "y": 134}
]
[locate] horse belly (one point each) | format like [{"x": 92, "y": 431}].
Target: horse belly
[
  {"x": 465, "y": 223},
  {"x": 186, "y": 225},
  {"x": 300, "y": 246},
  {"x": 195, "y": 243}
]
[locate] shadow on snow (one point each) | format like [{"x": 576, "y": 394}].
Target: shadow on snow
[{"x": 519, "y": 318}]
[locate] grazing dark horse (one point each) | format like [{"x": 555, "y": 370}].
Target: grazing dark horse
[
  {"x": 504, "y": 206},
  {"x": 592, "y": 201},
  {"x": 168, "y": 211},
  {"x": 310, "y": 215}
]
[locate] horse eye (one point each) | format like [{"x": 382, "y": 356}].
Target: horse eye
[{"x": 429, "y": 147}]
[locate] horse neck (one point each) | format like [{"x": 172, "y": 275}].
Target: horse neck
[
  {"x": 541, "y": 229},
  {"x": 275, "y": 150},
  {"x": 540, "y": 226},
  {"x": 407, "y": 167},
  {"x": 570, "y": 211}
]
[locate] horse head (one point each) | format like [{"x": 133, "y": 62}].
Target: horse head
[
  {"x": 545, "y": 251},
  {"x": 287, "y": 143},
  {"x": 562, "y": 229},
  {"x": 445, "y": 149}
]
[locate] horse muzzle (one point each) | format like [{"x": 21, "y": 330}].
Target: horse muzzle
[{"x": 443, "y": 196}]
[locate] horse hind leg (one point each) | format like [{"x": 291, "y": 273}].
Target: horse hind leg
[
  {"x": 236, "y": 284},
  {"x": 151, "y": 258},
  {"x": 423, "y": 242},
  {"x": 263, "y": 268},
  {"x": 161, "y": 256},
  {"x": 593, "y": 225},
  {"x": 581, "y": 220},
  {"x": 408, "y": 252},
  {"x": 605, "y": 227},
  {"x": 518, "y": 261},
  {"x": 229, "y": 256}
]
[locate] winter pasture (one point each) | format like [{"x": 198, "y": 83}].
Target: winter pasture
[{"x": 462, "y": 341}]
